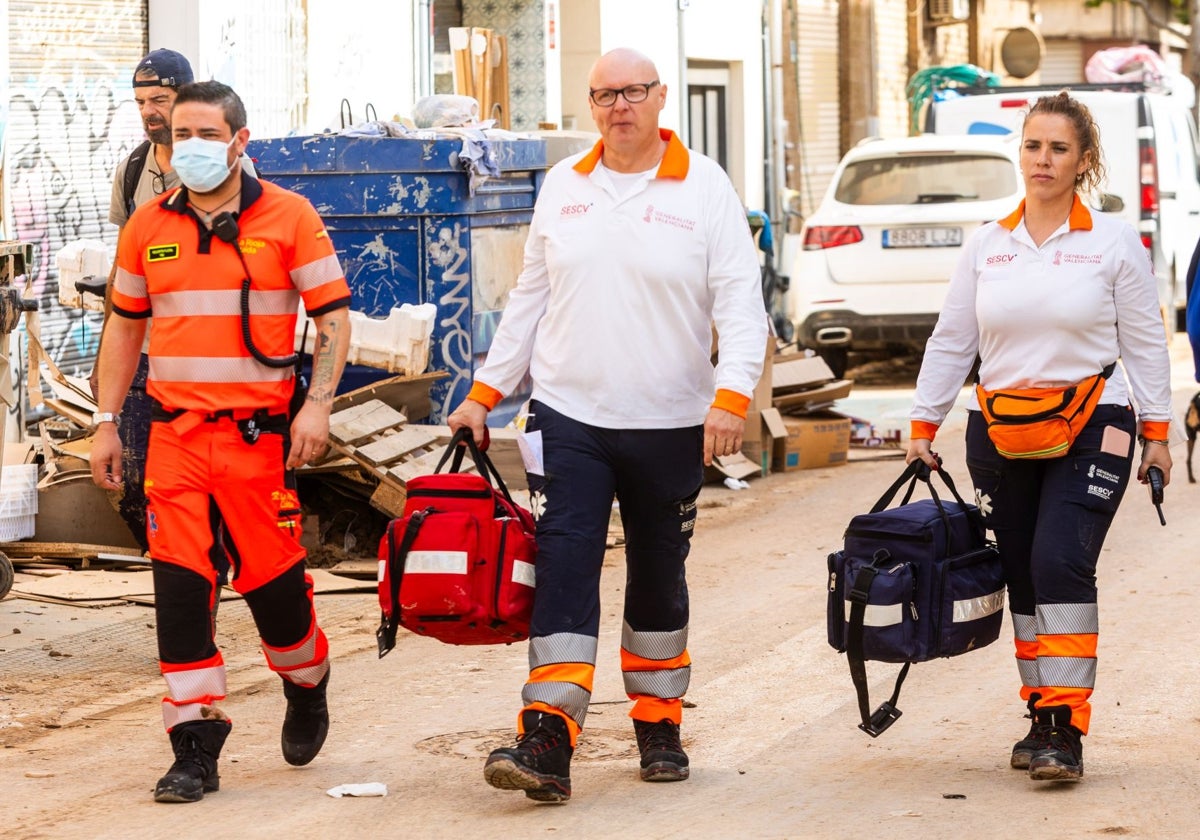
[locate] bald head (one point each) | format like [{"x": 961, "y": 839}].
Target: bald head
[{"x": 622, "y": 60}]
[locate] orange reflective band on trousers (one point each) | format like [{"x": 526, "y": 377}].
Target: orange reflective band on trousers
[
  {"x": 1056, "y": 657},
  {"x": 307, "y": 662},
  {"x": 648, "y": 680},
  {"x": 193, "y": 686},
  {"x": 261, "y": 514}
]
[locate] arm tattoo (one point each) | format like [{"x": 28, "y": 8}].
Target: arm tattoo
[{"x": 322, "y": 388}]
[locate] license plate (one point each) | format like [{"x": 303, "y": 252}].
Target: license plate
[{"x": 922, "y": 237}]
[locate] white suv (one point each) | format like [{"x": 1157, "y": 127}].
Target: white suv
[{"x": 869, "y": 268}]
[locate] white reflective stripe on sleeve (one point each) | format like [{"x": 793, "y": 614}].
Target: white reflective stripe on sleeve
[
  {"x": 880, "y": 615},
  {"x": 523, "y": 573},
  {"x": 382, "y": 570},
  {"x": 128, "y": 283},
  {"x": 435, "y": 563},
  {"x": 316, "y": 273},
  {"x": 971, "y": 609}
]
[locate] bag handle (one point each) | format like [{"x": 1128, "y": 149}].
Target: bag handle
[
  {"x": 463, "y": 442},
  {"x": 385, "y": 636},
  {"x": 918, "y": 470},
  {"x": 873, "y": 723}
]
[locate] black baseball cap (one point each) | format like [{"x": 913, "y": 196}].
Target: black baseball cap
[{"x": 171, "y": 68}]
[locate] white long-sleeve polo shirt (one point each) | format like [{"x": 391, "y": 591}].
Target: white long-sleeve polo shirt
[
  {"x": 1048, "y": 317},
  {"x": 612, "y": 313}
]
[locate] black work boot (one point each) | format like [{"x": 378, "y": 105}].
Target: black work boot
[
  {"x": 197, "y": 745},
  {"x": 663, "y": 758},
  {"x": 306, "y": 722},
  {"x": 1038, "y": 738},
  {"x": 1062, "y": 759},
  {"x": 539, "y": 764}
]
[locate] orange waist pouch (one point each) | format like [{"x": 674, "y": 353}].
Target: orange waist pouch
[{"x": 1040, "y": 422}]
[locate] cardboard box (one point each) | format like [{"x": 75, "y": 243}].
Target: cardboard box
[{"x": 817, "y": 440}]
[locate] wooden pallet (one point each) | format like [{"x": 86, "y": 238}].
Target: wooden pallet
[{"x": 376, "y": 437}]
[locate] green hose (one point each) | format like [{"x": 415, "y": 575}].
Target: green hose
[{"x": 924, "y": 83}]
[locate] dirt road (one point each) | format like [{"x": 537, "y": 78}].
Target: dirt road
[{"x": 772, "y": 738}]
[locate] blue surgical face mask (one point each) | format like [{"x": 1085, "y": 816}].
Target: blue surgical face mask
[{"x": 202, "y": 165}]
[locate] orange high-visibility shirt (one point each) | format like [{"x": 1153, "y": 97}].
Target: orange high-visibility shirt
[{"x": 170, "y": 265}]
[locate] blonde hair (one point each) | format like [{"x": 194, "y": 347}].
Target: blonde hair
[{"x": 1086, "y": 132}]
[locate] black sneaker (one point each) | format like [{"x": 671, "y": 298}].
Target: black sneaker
[
  {"x": 197, "y": 746},
  {"x": 663, "y": 758},
  {"x": 1062, "y": 759},
  {"x": 305, "y": 723},
  {"x": 1038, "y": 739},
  {"x": 539, "y": 764}
]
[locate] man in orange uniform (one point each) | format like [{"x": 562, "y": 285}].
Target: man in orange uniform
[{"x": 222, "y": 263}]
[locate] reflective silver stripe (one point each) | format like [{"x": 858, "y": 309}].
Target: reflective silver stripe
[
  {"x": 568, "y": 697},
  {"x": 1028, "y": 670},
  {"x": 1024, "y": 627},
  {"x": 436, "y": 563},
  {"x": 223, "y": 302},
  {"x": 307, "y": 677},
  {"x": 210, "y": 369},
  {"x": 667, "y": 684},
  {"x": 1068, "y": 619},
  {"x": 561, "y": 647},
  {"x": 174, "y": 715},
  {"x": 1067, "y": 671},
  {"x": 880, "y": 615},
  {"x": 524, "y": 573},
  {"x": 281, "y": 660},
  {"x": 654, "y": 644},
  {"x": 130, "y": 284},
  {"x": 185, "y": 686},
  {"x": 316, "y": 273},
  {"x": 972, "y": 609}
]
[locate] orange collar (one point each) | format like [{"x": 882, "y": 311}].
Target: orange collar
[
  {"x": 674, "y": 163},
  {"x": 1080, "y": 218}
]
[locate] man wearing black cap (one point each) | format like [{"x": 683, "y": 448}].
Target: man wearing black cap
[{"x": 142, "y": 176}]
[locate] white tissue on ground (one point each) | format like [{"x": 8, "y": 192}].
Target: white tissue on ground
[{"x": 360, "y": 789}]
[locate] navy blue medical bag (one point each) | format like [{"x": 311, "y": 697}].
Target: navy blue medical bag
[{"x": 913, "y": 583}]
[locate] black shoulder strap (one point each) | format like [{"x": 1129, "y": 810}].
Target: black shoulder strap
[
  {"x": 133, "y": 171},
  {"x": 874, "y": 724},
  {"x": 386, "y": 634}
]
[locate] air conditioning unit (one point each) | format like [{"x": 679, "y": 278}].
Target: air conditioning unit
[{"x": 948, "y": 11}]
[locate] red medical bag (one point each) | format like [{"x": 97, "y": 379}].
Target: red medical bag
[{"x": 459, "y": 564}]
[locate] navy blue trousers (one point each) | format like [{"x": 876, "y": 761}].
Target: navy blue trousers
[{"x": 655, "y": 475}]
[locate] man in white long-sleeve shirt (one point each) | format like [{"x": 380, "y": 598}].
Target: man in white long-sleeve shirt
[{"x": 635, "y": 249}]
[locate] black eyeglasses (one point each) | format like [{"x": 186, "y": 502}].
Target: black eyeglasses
[
  {"x": 607, "y": 97},
  {"x": 157, "y": 182}
]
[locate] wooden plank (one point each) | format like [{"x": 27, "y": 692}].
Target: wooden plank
[
  {"x": 360, "y": 422},
  {"x": 388, "y": 448},
  {"x": 407, "y": 394},
  {"x": 27, "y": 548},
  {"x": 389, "y": 499}
]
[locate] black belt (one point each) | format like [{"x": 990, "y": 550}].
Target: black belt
[{"x": 250, "y": 423}]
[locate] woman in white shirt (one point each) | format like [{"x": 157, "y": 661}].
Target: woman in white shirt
[{"x": 1050, "y": 297}]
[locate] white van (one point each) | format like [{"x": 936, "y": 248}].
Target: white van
[{"x": 1148, "y": 138}]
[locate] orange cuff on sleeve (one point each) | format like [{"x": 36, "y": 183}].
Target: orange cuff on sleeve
[
  {"x": 1155, "y": 429},
  {"x": 733, "y": 402},
  {"x": 923, "y": 429},
  {"x": 485, "y": 394}
]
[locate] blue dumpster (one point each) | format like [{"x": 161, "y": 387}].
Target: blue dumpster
[{"x": 408, "y": 228}]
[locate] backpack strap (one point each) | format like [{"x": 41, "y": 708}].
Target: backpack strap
[
  {"x": 873, "y": 723},
  {"x": 385, "y": 636},
  {"x": 133, "y": 172}
]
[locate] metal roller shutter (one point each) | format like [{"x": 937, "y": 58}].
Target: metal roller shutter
[
  {"x": 817, "y": 60},
  {"x": 71, "y": 119}
]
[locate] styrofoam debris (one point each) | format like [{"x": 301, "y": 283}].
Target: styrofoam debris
[{"x": 358, "y": 789}]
